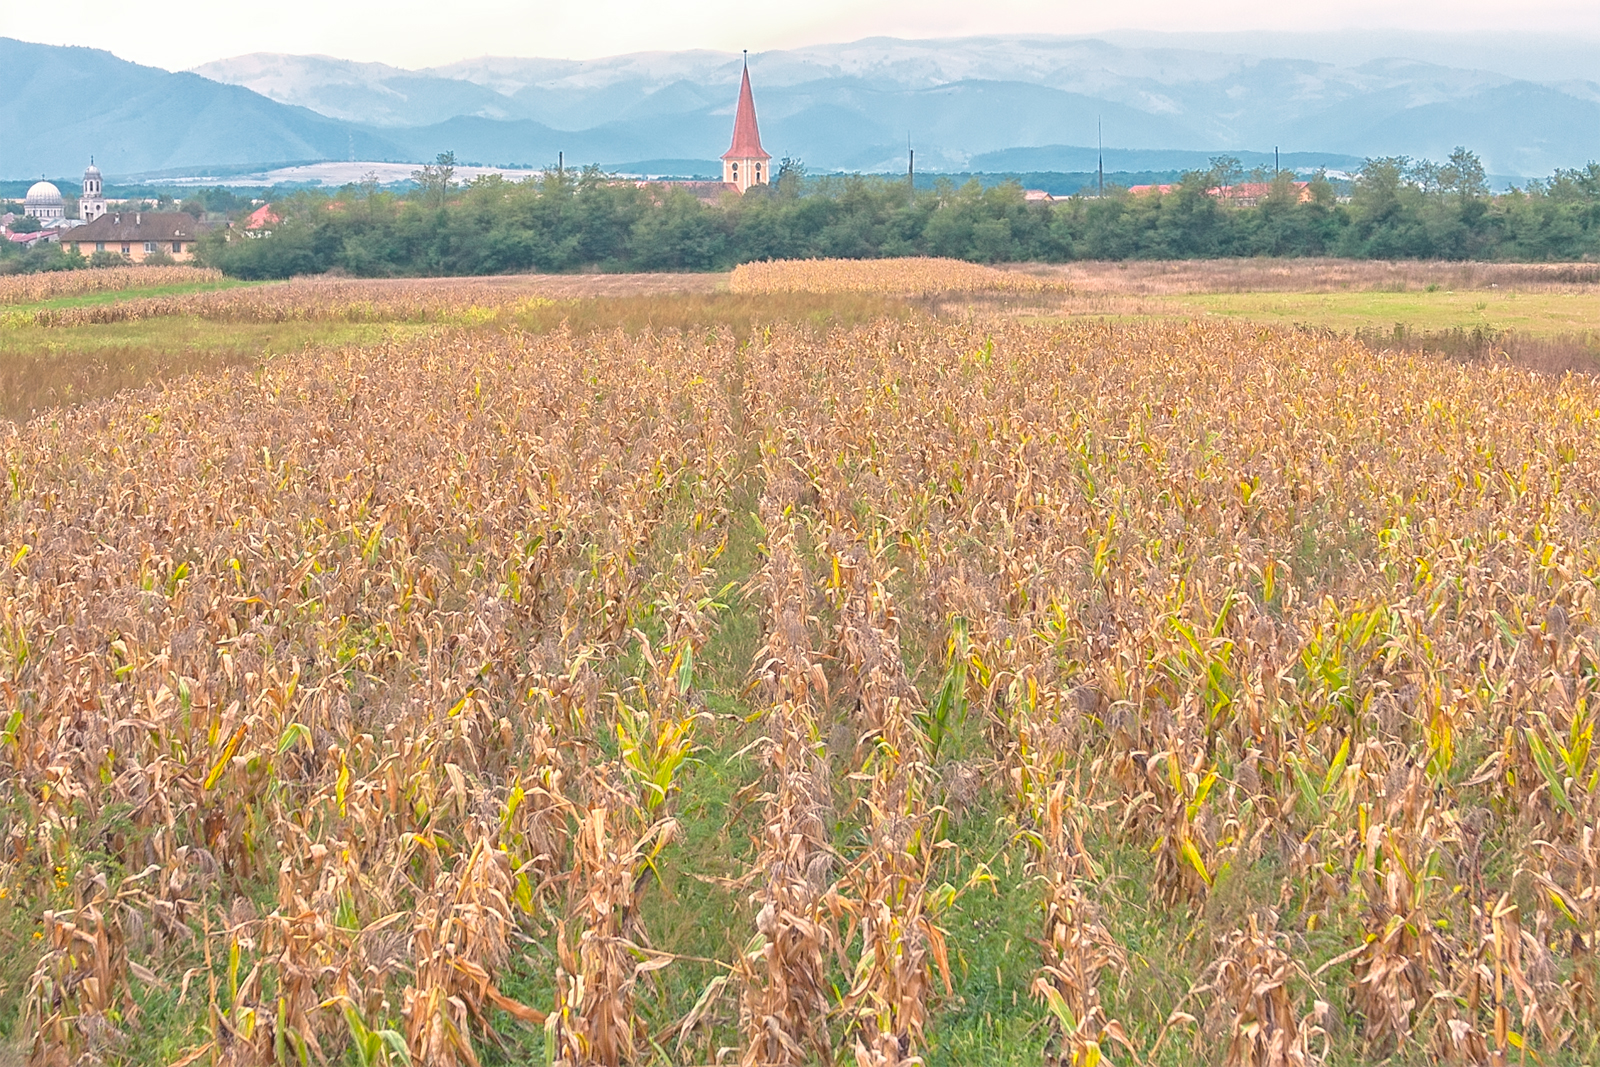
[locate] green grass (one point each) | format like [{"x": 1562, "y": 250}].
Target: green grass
[{"x": 1537, "y": 314}]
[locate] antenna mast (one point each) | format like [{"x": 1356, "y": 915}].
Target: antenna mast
[
  {"x": 1100, "y": 143},
  {"x": 911, "y": 164}
]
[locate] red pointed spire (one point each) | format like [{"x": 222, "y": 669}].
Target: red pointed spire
[{"x": 746, "y": 136}]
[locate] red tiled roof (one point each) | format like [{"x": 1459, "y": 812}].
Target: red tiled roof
[
  {"x": 1242, "y": 191},
  {"x": 262, "y": 217},
  {"x": 746, "y": 135},
  {"x": 1254, "y": 190},
  {"x": 710, "y": 192}
]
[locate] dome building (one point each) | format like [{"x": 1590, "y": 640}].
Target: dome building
[
  {"x": 43, "y": 202},
  {"x": 92, "y": 204}
]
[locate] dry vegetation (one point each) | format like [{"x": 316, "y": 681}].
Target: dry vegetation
[
  {"x": 1148, "y": 693},
  {"x": 31, "y": 288},
  {"x": 902, "y": 277},
  {"x": 69, "y": 355},
  {"x": 1171, "y": 277},
  {"x": 380, "y": 300},
  {"x": 1549, "y": 312}
]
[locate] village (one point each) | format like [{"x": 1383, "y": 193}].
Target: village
[
  {"x": 124, "y": 229},
  {"x": 109, "y": 232}
]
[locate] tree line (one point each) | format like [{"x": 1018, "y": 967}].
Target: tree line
[{"x": 588, "y": 220}]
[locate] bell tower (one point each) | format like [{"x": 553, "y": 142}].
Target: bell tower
[
  {"x": 746, "y": 163},
  {"x": 92, "y": 204}
]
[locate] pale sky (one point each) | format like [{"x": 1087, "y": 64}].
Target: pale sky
[{"x": 413, "y": 33}]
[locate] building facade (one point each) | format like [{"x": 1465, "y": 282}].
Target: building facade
[
  {"x": 746, "y": 163},
  {"x": 137, "y": 235}
]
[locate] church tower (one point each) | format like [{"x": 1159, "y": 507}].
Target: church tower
[
  {"x": 746, "y": 163},
  {"x": 92, "y": 204}
]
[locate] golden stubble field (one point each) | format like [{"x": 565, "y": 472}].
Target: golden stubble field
[{"x": 970, "y": 690}]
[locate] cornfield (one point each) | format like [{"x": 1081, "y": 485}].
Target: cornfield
[
  {"x": 911, "y": 276},
  {"x": 423, "y": 702},
  {"x": 338, "y": 300},
  {"x": 29, "y": 288}
]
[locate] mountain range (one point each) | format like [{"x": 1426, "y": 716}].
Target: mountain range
[{"x": 1016, "y": 103}]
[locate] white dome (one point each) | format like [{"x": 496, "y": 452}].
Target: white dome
[
  {"x": 43, "y": 194},
  {"x": 92, "y": 172}
]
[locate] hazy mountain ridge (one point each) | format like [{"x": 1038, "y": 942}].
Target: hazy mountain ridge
[
  {"x": 961, "y": 102},
  {"x": 66, "y": 104},
  {"x": 853, "y": 105}
]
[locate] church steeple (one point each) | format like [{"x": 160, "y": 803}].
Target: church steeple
[
  {"x": 745, "y": 162},
  {"x": 92, "y": 204}
]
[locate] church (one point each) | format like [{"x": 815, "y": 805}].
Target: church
[
  {"x": 45, "y": 202},
  {"x": 92, "y": 204},
  {"x": 746, "y": 163}
]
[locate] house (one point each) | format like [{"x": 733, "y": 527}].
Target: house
[
  {"x": 33, "y": 240},
  {"x": 1037, "y": 196},
  {"x": 137, "y": 234},
  {"x": 1249, "y": 194},
  {"x": 1245, "y": 194},
  {"x": 261, "y": 222},
  {"x": 703, "y": 191}
]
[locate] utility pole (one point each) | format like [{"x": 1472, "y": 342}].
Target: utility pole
[
  {"x": 911, "y": 164},
  {"x": 561, "y": 166},
  {"x": 1275, "y": 167}
]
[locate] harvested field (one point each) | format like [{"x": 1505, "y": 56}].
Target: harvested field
[
  {"x": 1541, "y": 316},
  {"x": 1173, "y": 277},
  {"x": 911, "y": 276},
  {"x": 746, "y": 686}
]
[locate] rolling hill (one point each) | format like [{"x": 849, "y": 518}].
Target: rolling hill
[{"x": 66, "y": 104}]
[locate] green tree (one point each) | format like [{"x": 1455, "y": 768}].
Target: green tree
[
  {"x": 435, "y": 179},
  {"x": 791, "y": 178},
  {"x": 1463, "y": 175}
]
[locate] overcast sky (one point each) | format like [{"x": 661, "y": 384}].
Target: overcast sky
[{"x": 412, "y": 33}]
